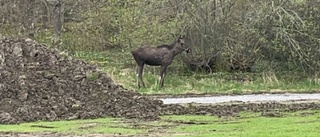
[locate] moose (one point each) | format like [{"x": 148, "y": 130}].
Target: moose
[{"x": 161, "y": 55}]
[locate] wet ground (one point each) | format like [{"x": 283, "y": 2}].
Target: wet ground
[
  {"x": 242, "y": 98},
  {"x": 225, "y": 111},
  {"x": 49, "y": 134}
]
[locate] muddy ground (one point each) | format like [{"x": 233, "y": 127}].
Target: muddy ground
[
  {"x": 232, "y": 109},
  {"x": 60, "y": 135},
  {"x": 228, "y": 110},
  {"x": 39, "y": 83}
]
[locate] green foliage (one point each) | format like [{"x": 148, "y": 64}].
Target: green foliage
[
  {"x": 119, "y": 25},
  {"x": 247, "y": 31},
  {"x": 7, "y": 30},
  {"x": 223, "y": 34}
]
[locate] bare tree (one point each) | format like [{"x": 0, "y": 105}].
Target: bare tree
[
  {"x": 30, "y": 25},
  {"x": 57, "y": 22}
]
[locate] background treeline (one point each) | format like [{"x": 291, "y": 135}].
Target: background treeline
[{"x": 245, "y": 35}]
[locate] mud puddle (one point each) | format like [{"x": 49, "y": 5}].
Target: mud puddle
[{"x": 242, "y": 98}]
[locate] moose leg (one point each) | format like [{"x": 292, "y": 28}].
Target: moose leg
[
  {"x": 162, "y": 75},
  {"x": 140, "y": 71}
]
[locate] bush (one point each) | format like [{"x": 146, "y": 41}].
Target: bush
[{"x": 225, "y": 35}]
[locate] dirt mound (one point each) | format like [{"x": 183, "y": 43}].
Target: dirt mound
[
  {"x": 235, "y": 108},
  {"x": 37, "y": 83}
]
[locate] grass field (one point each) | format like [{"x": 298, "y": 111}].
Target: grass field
[
  {"x": 247, "y": 124},
  {"x": 121, "y": 67}
]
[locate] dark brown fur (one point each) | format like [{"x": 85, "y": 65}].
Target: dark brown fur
[{"x": 158, "y": 56}]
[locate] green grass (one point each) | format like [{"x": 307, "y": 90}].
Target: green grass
[
  {"x": 121, "y": 67},
  {"x": 292, "y": 125},
  {"x": 248, "y": 124},
  {"x": 101, "y": 125}
]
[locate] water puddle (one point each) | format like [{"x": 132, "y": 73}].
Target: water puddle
[{"x": 242, "y": 98}]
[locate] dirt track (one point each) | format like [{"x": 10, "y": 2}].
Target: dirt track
[{"x": 233, "y": 108}]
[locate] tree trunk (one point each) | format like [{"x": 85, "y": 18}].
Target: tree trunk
[
  {"x": 31, "y": 19},
  {"x": 57, "y": 22}
]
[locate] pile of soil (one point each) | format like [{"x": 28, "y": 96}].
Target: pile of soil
[{"x": 38, "y": 83}]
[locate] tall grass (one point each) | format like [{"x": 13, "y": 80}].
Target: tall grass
[{"x": 122, "y": 68}]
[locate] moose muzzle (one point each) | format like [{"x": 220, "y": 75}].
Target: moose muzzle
[{"x": 188, "y": 50}]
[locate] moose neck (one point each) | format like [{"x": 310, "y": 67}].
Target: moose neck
[{"x": 176, "y": 50}]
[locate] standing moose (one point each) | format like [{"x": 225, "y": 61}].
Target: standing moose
[{"x": 158, "y": 56}]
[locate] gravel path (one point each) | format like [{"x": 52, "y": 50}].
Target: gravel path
[{"x": 242, "y": 98}]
